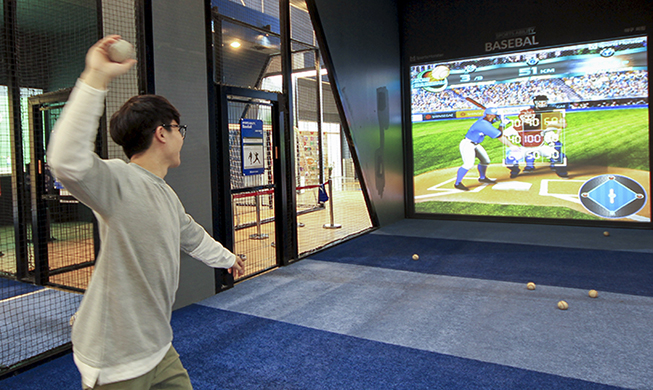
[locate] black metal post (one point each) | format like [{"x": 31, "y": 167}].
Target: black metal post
[
  {"x": 219, "y": 144},
  {"x": 320, "y": 114},
  {"x": 144, "y": 45},
  {"x": 346, "y": 128},
  {"x": 286, "y": 207},
  {"x": 16, "y": 134},
  {"x": 221, "y": 177},
  {"x": 40, "y": 224}
]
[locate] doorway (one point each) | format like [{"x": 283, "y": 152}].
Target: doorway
[
  {"x": 250, "y": 118},
  {"x": 63, "y": 230}
]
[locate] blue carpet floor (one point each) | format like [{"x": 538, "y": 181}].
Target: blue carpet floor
[
  {"x": 606, "y": 340},
  {"x": 614, "y": 271},
  {"x": 226, "y": 350},
  {"x": 364, "y": 315}
]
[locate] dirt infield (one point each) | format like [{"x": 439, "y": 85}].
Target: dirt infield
[{"x": 541, "y": 187}]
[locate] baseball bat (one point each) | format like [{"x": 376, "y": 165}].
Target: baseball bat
[{"x": 474, "y": 102}]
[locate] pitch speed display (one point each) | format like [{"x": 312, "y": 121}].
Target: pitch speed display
[{"x": 555, "y": 133}]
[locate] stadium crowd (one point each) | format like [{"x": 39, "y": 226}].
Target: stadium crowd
[{"x": 590, "y": 87}]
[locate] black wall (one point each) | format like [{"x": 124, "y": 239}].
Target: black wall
[
  {"x": 362, "y": 39},
  {"x": 461, "y": 28}
]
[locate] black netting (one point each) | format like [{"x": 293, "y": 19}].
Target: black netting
[
  {"x": 247, "y": 53},
  {"x": 47, "y": 237}
]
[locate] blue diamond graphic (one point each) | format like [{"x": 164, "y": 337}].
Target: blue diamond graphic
[{"x": 612, "y": 195}]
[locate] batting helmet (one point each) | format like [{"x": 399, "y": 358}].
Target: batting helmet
[{"x": 491, "y": 111}]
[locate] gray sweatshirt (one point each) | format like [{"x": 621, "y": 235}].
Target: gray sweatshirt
[{"x": 123, "y": 328}]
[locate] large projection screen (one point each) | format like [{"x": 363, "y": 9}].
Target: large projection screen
[{"x": 569, "y": 142}]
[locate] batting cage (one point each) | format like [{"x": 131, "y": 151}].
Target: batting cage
[{"x": 48, "y": 239}]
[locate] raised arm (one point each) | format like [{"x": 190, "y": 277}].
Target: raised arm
[{"x": 70, "y": 153}]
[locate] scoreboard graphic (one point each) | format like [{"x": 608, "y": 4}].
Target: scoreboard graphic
[{"x": 539, "y": 136}]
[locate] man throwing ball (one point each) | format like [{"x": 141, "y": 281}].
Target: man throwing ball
[
  {"x": 470, "y": 147},
  {"x": 122, "y": 338}
]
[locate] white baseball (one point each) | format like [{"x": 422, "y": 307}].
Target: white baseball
[
  {"x": 440, "y": 72},
  {"x": 120, "y": 51}
]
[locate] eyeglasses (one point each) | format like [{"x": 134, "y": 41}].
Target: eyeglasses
[{"x": 182, "y": 129}]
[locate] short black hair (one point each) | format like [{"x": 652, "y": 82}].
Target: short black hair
[{"x": 133, "y": 124}]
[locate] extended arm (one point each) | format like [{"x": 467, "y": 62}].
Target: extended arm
[{"x": 209, "y": 251}]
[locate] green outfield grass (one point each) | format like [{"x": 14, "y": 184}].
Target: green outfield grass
[
  {"x": 469, "y": 208},
  {"x": 618, "y": 138}
]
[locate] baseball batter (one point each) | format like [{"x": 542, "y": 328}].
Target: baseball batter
[{"x": 470, "y": 147}]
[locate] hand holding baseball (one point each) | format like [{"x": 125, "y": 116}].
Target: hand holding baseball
[
  {"x": 100, "y": 69},
  {"x": 120, "y": 51}
]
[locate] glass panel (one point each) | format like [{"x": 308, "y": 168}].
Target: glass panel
[{"x": 330, "y": 202}]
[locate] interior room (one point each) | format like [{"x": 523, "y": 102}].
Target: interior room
[{"x": 426, "y": 194}]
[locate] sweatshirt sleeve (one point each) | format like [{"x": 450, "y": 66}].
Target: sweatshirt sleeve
[
  {"x": 71, "y": 152},
  {"x": 201, "y": 246}
]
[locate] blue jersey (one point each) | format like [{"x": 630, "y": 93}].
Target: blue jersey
[{"x": 480, "y": 129}]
